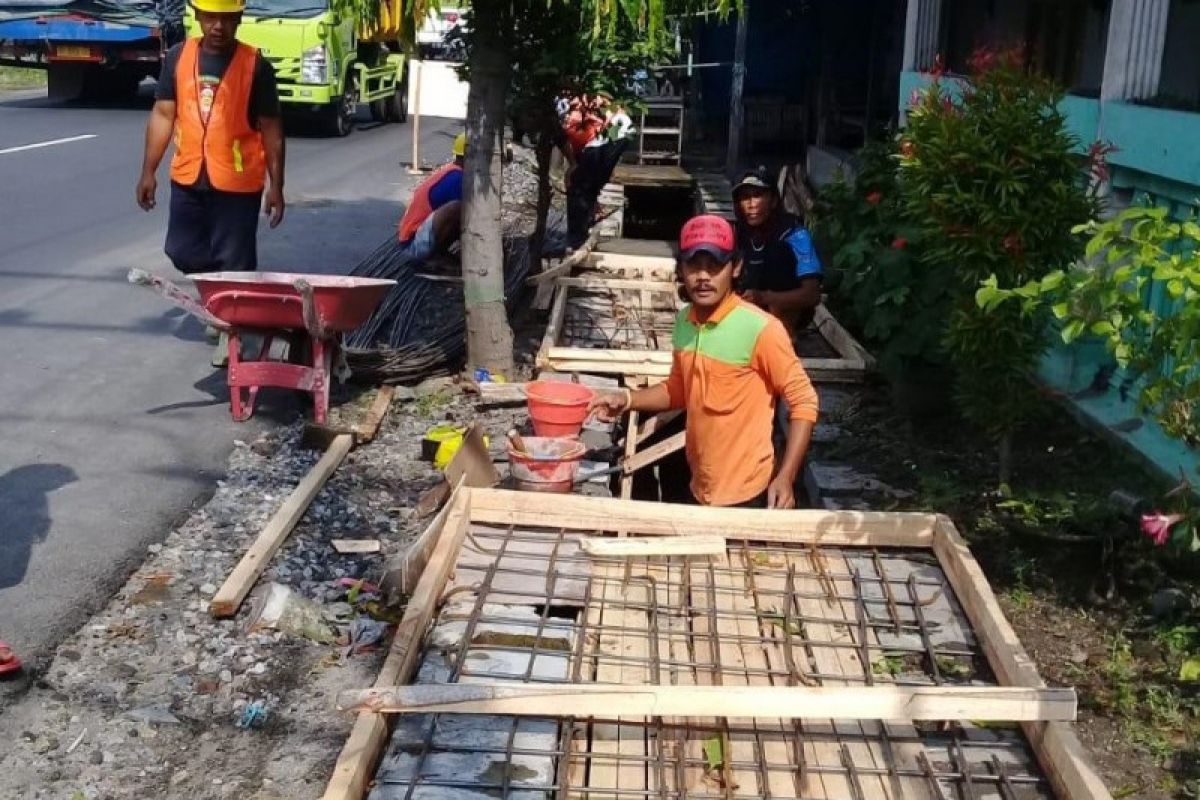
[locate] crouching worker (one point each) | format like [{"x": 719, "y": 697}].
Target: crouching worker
[
  {"x": 433, "y": 220},
  {"x": 732, "y": 362}
]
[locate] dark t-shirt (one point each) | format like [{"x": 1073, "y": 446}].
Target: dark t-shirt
[
  {"x": 778, "y": 259},
  {"x": 264, "y": 94}
]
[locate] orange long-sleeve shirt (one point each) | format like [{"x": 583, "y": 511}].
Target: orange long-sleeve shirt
[{"x": 727, "y": 372}]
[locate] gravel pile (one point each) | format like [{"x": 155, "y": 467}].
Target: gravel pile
[{"x": 148, "y": 698}]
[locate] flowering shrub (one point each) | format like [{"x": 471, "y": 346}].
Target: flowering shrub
[{"x": 991, "y": 185}]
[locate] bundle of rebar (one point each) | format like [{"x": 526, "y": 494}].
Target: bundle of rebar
[{"x": 419, "y": 330}]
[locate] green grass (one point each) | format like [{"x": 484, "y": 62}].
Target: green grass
[{"x": 20, "y": 78}]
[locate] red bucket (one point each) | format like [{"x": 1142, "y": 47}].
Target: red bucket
[{"x": 558, "y": 409}]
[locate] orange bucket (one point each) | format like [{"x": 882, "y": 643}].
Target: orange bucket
[{"x": 558, "y": 409}]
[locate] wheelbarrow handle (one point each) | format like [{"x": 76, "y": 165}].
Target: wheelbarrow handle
[
  {"x": 312, "y": 319},
  {"x": 176, "y": 296}
]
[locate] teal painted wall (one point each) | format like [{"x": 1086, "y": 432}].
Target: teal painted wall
[{"x": 1156, "y": 141}]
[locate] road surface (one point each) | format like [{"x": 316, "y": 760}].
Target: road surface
[{"x": 114, "y": 425}]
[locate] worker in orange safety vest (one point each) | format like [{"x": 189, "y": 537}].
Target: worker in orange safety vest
[
  {"x": 218, "y": 99},
  {"x": 433, "y": 219}
]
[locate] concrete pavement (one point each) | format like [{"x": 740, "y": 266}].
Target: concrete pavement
[{"x": 113, "y": 423}]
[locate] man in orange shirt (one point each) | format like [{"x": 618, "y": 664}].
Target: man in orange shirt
[{"x": 732, "y": 362}]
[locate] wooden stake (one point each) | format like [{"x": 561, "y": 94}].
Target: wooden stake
[
  {"x": 983, "y": 703},
  {"x": 229, "y": 597},
  {"x": 366, "y": 430},
  {"x": 652, "y": 454}
]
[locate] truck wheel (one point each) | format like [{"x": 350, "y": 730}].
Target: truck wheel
[
  {"x": 64, "y": 81},
  {"x": 339, "y": 116},
  {"x": 398, "y": 104}
]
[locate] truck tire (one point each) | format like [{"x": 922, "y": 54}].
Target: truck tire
[
  {"x": 339, "y": 116},
  {"x": 64, "y": 81},
  {"x": 111, "y": 85},
  {"x": 398, "y": 104}
]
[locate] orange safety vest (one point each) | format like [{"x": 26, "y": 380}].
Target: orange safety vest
[
  {"x": 228, "y": 147},
  {"x": 419, "y": 208}
]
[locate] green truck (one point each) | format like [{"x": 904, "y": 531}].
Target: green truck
[{"x": 325, "y": 62}]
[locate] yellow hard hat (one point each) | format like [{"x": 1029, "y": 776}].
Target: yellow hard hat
[
  {"x": 460, "y": 145},
  {"x": 220, "y": 6}
]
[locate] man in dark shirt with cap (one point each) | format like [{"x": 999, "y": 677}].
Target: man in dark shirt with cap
[{"x": 781, "y": 272}]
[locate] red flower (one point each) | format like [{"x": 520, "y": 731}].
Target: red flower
[
  {"x": 899, "y": 243},
  {"x": 1157, "y": 526},
  {"x": 1097, "y": 155},
  {"x": 1013, "y": 244},
  {"x": 982, "y": 60},
  {"x": 874, "y": 198}
]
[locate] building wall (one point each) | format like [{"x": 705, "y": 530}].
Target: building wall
[{"x": 1181, "y": 60}]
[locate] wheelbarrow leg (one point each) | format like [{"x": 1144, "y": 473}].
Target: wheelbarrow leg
[
  {"x": 322, "y": 360},
  {"x": 241, "y": 409}
]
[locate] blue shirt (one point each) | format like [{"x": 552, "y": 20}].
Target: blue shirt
[
  {"x": 447, "y": 190},
  {"x": 779, "y": 258}
]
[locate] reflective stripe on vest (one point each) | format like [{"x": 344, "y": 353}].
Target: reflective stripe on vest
[
  {"x": 419, "y": 208},
  {"x": 228, "y": 148}
]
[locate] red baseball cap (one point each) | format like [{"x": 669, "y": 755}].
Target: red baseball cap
[{"x": 707, "y": 233}]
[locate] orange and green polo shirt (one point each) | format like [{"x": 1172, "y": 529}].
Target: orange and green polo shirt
[{"x": 727, "y": 373}]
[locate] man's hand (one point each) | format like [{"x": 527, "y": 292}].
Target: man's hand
[
  {"x": 780, "y": 494},
  {"x": 273, "y": 205},
  {"x": 759, "y": 297},
  {"x": 147, "y": 186},
  {"x": 608, "y": 405}
]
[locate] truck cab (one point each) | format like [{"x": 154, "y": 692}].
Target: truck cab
[{"x": 323, "y": 64}]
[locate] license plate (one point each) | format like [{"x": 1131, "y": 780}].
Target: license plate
[{"x": 72, "y": 51}]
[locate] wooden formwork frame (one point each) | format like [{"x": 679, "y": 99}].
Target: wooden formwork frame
[
  {"x": 1058, "y": 750},
  {"x": 653, "y": 276}
]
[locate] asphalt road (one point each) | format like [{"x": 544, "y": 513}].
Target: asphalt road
[{"x": 114, "y": 425}]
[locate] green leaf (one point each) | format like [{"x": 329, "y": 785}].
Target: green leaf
[
  {"x": 1189, "y": 670},
  {"x": 1060, "y": 310},
  {"x": 714, "y": 754},
  {"x": 1103, "y": 328},
  {"x": 1175, "y": 288}
]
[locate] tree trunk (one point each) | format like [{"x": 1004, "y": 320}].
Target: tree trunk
[
  {"x": 537, "y": 241},
  {"x": 489, "y": 337}
]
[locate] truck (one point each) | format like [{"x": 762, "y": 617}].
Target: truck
[
  {"x": 95, "y": 49},
  {"x": 325, "y": 61}
]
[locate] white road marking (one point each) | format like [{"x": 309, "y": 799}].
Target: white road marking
[{"x": 50, "y": 143}]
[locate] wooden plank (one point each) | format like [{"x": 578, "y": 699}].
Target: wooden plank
[
  {"x": 229, "y": 597},
  {"x": 620, "y": 284},
  {"x": 634, "y": 547},
  {"x": 565, "y": 266},
  {"x": 840, "y": 339},
  {"x": 655, "y": 453},
  {"x": 356, "y": 762},
  {"x": 1067, "y": 765},
  {"x": 620, "y": 357},
  {"x": 631, "y": 440},
  {"x": 643, "y": 368},
  {"x": 473, "y": 462},
  {"x": 366, "y": 430},
  {"x": 655, "y": 423},
  {"x": 803, "y": 526},
  {"x": 982, "y": 703},
  {"x": 357, "y": 545},
  {"x": 558, "y": 313}
]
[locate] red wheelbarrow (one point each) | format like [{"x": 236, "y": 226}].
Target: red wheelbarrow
[{"x": 271, "y": 305}]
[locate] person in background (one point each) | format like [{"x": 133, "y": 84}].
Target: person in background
[
  {"x": 597, "y": 135},
  {"x": 731, "y": 363},
  {"x": 782, "y": 272},
  {"x": 217, "y": 99},
  {"x": 433, "y": 220}
]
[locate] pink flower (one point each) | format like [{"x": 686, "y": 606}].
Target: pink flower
[
  {"x": 1157, "y": 526},
  {"x": 874, "y": 198},
  {"x": 939, "y": 67}
]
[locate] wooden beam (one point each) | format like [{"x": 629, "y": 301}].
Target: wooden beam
[
  {"x": 558, "y": 313},
  {"x": 624, "y": 262},
  {"x": 592, "y": 282},
  {"x": 359, "y": 755},
  {"x": 591, "y": 514},
  {"x": 643, "y": 368},
  {"x": 898, "y": 703},
  {"x": 1058, "y": 750},
  {"x": 840, "y": 339},
  {"x": 635, "y": 547},
  {"x": 655, "y": 423},
  {"x": 229, "y": 597},
  {"x": 619, "y": 357},
  {"x": 565, "y": 266},
  {"x": 366, "y": 430},
  {"x": 656, "y": 452},
  {"x": 630, "y": 448}
]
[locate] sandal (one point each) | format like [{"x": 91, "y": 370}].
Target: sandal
[{"x": 8, "y": 660}]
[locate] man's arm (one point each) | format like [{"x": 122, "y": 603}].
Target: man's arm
[
  {"x": 274, "y": 144},
  {"x": 655, "y": 399},
  {"x": 158, "y": 137},
  {"x": 804, "y": 298},
  {"x": 778, "y": 363}
]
